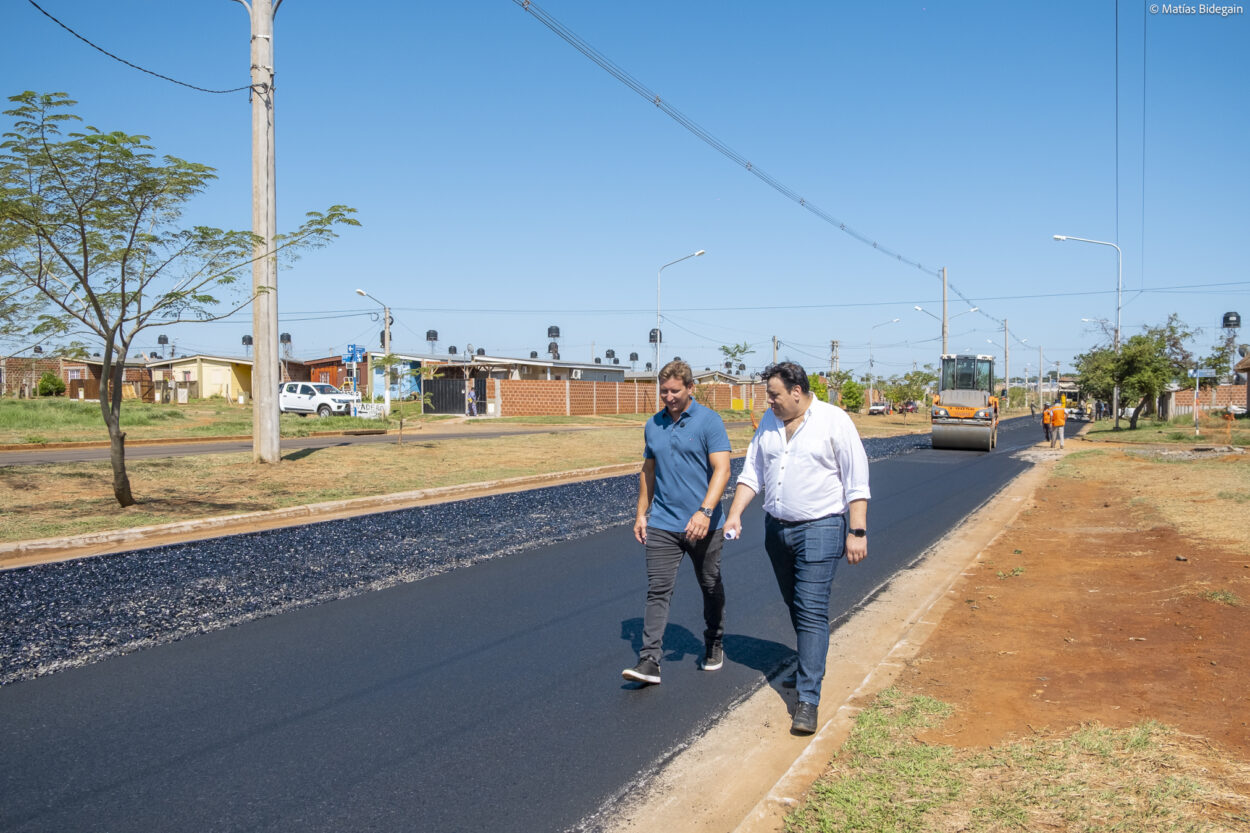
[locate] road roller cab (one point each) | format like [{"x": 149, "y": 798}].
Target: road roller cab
[{"x": 965, "y": 411}]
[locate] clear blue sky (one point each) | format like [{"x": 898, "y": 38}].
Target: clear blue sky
[{"x": 506, "y": 183}]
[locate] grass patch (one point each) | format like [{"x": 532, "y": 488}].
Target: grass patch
[
  {"x": 1179, "y": 431},
  {"x": 1202, "y": 496},
  {"x": 1091, "y": 779},
  {"x": 1224, "y": 597}
]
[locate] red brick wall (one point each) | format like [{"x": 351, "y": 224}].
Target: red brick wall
[
  {"x": 518, "y": 397},
  {"x": 1218, "y": 397},
  {"x": 24, "y": 371},
  {"x": 522, "y": 397}
]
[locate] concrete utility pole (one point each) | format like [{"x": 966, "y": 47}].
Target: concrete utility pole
[
  {"x": 1006, "y": 365},
  {"x": 833, "y": 356},
  {"x": 265, "y": 434},
  {"x": 945, "y": 320},
  {"x": 774, "y": 349},
  {"x": 1041, "y": 368}
]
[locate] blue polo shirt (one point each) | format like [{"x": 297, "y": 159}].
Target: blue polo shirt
[{"x": 682, "y": 470}]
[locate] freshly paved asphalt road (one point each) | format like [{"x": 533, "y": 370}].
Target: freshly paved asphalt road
[{"x": 486, "y": 698}]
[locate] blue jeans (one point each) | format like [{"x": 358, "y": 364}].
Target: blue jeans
[
  {"x": 665, "y": 552},
  {"x": 804, "y": 557}
]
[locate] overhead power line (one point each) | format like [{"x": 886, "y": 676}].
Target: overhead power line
[
  {"x": 685, "y": 121},
  {"x": 128, "y": 63}
]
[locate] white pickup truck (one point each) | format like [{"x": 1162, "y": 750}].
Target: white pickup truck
[{"x": 313, "y": 398}]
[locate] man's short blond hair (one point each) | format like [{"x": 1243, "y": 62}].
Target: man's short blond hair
[{"x": 677, "y": 369}]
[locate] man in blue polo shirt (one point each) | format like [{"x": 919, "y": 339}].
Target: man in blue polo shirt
[{"x": 684, "y": 473}]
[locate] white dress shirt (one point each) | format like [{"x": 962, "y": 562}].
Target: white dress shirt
[{"x": 816, "y": 472}]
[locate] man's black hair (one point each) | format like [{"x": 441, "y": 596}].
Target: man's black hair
[{"x": 790, "y": 374}]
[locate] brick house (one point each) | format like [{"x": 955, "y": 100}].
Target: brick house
[{"x": 19, "y": 375}]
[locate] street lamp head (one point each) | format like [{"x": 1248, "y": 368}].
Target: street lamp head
[
  {"x": 1061, "y": 237},
  {"x": 698, "y": 253},
  {"x": 894, "y": 320},
  {"x": 362, "y": 292},
  {"x": 974, "y": 309},
  {"x": 918, "y": 308}
]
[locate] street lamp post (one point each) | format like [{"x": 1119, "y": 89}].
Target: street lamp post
[
  {"x": 657, "y": 320},
  {"x": 1119, "y": 285},
  {"x": 386, "y": 348},
  {"x": 872, "y": 375},
  {"x": 945, "y": 321}
]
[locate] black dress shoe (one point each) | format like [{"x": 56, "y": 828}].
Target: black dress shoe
[{"x": 804, "y": 719}]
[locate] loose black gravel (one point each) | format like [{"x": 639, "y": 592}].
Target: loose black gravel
[{"x": 72, "y": 613}]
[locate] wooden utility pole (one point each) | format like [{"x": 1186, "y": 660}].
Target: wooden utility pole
[
  {"x": 774, "y": 349},
  {"x": 265, "y": 377}
]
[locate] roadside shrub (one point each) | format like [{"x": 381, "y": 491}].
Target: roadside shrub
[
  {"x": 51, "y": 385},
  {"x": 818, "y": 387},
  {"x": 852, "y": 395}
]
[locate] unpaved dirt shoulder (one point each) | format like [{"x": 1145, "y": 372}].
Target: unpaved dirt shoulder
[{"x": 748, "y": 771}]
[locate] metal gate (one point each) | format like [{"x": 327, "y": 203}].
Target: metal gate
[{"x": 447, "y": 395}]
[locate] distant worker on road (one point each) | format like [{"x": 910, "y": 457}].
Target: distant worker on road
[
  {"x": 1046, "y": 422},
  {"x": 472, "y": 399},
  {"x": 809, "y": 462},
  {"x": 1058, "y": 416},
  {"x": 684, "y": 474}
]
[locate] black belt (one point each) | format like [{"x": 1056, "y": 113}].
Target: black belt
[{"x": 780, "y": 522}]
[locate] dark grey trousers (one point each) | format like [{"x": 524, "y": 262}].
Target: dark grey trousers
[{"x": 665, "y": 551}]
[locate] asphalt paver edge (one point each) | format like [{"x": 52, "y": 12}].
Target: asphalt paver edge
[{"x": 16, "y": 554}]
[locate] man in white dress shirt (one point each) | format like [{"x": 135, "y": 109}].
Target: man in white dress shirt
[{"x": 808, "y": 460}]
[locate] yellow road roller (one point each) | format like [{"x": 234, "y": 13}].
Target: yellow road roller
[{"x": 965, "y": 411}]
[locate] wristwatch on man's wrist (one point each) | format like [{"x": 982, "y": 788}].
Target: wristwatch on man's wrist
[
  {"x": 707, "y": 512},
  {"x": 858, "y": 533}
]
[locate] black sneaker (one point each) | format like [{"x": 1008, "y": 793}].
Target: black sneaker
[
  {"x": 646, "y": 671},
  {"x": 714, "y": 658},
  {"x": 804, "y": 719}
]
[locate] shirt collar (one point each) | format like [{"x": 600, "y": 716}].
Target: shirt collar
[{"x": 689, "y": 410}]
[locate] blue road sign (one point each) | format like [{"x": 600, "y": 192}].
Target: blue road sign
[{"x": 1202, "y": 372}]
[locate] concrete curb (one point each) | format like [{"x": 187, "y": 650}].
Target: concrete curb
[{"x": 786, "y": 794}]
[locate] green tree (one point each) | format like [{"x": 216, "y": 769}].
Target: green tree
[
  {"x": 1221, "y": 359},
  {"x": 734, "y": 354},
  {"x": 1096, "y": 373},
  {"x": 912, "y": 386},
  {"x": 1144, "y": 371},
  {"x": 51, "y": 385},
  {"x": 89, "y": 232},
  {"x": 852, "y": 395},
  {"x": 818, "y": 386}
]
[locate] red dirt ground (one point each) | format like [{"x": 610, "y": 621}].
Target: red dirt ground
[{"x": 1093, "y": 619}]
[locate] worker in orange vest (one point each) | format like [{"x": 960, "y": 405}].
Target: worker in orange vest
[
  {"x": 1058, "y": 417},
  {"x": 1046, "y": 421}
]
